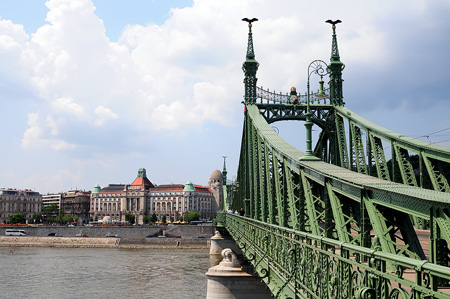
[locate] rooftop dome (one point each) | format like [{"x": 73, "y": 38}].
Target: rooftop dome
[
  {"x": 189, "y": 187},
  {"x": 216, "y": 175},
  {"x": 96, "y": 189}
]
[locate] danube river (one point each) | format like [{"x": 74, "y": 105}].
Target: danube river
[{"x": 36, "y": 272}]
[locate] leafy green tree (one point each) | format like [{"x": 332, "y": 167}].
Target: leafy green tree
[
  {"x": 77, "y": 219},
  {"x": 153, "y": 218},
  {"x": 130, "y": 218},
  {"x": 171, "y": 219},
  {"x": 50, "y": 211},
  {"x": 36, "y": 218},
  {"x": 146, "y": 219},
  {"x": 68, "y": 219},
  {"x": 191, "y": 216},
  {"x": 60, "y": 218},
  {"x": 164, "y": 219},
  {"x": 16, "y": 218}
]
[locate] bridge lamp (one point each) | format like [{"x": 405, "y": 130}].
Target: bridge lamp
[
  {"x": 318, "y": 67},
  {"x": 321, "y": 94}
]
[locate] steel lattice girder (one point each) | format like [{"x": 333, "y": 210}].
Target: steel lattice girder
[
  {"x": 379, "y": 157},
  {"x": 406, "y": 169},
  {"x": 278, "y": 155},
  {"x": 404, "y": 144},
  {"x": 296, "y": 264},
  {"x": 357, "y": 150},
  {"x": 342, "y": 142}
]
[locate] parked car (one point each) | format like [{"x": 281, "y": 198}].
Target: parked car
[
  {"x": 81, "y": 235},
  {"x": 149, "y": 236},
  {"x": 84, "y": 235},
  {"x": 54, "y": 235},
  {"x": 113, "y": 236}
]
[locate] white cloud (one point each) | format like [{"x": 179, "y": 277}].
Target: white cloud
[
  {"x": 67, "y": 105},
  {"x": 33, "y": 134},
  {"x": 80, "y": 90},
  {"x": 103, "y": 114}
]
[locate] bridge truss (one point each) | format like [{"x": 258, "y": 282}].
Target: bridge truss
[{"x": 347, "y": 225}]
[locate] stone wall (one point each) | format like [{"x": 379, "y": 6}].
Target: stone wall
[
  {"x": 127, "y": 232},
  {"x": 57, "y": 242}
]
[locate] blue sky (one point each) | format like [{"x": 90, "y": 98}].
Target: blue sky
[{"x": 90, "y": 91}]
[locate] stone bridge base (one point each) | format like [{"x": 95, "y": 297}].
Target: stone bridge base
[{"x": 229, "y": 280}]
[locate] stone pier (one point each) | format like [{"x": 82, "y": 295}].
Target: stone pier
[
  {"x": 229, "y": 280},
  {"x": 219, "y": 243}
]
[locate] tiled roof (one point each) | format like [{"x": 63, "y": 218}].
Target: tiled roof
[
  {"x": 139, "y": 181},
  {"x": 203, "y": 189},
  {"x": 113, "y": 189},
  {"x": 168, "y": 188}
]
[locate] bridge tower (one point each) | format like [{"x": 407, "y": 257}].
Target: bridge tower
[{"x": 250, "y": 66}]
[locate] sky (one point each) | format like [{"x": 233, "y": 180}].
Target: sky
[{"x": 93, "y": 90}]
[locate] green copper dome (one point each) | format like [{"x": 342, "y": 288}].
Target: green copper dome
[
  {"x": 96, "y": 189},
  {"x": 189, "y": 187}
]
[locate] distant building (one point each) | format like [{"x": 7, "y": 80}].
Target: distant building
[
  {"x": 174, "y": 200},
  {"x": 215, "y": 184},
  {"x": 14, "y": 201},
  {"x": 142, "y": 198},
  {"x": 76, "y": 203},
  {"x": 50, "y": 199}
]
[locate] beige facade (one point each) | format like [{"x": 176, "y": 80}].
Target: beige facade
[
  {"x": 142, "y": 198},
  {"x": 14, "y": 201}
]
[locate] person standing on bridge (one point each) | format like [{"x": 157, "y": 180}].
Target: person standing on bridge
[{"x": 242, "y": 212}]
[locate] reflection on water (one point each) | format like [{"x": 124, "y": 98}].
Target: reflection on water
[{"x": 104, "y": 273}]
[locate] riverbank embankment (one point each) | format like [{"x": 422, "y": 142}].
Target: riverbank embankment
[
  {"x": 183, "y": 236},
  {"x": 81, "y": 242}
]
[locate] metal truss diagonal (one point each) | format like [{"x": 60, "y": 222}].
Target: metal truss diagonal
[
  {"x": 380, "y": 160},
  {"x": 357, "y": 150},
  {"x": 342, "y": 142},
  {"x": 439, "y": 181},
  {"x": 406, "y": 169}
]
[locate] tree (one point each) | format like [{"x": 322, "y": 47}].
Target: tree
[
  {"x": 36, "y": 218},
  {"x": 191, "y": 216},
  {"x": 60, "y": 218},
  {"x": 171, "y": 219},
  {"x": 164, "y": 219},
  {"x": 153, "y": 219},
  {"x": 68, "y": 219},
  {"x": 146, "y": 219},
  {"x": 16, "y": 218},
  {"x": 130, "y": 217},
  {"x": 50, "y": 211}
]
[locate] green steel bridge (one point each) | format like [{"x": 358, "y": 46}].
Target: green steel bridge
[{"x": 343, "y": 219}]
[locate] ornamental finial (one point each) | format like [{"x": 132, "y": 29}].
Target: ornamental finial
[
  {"x": 250, "y": 52},
  {"x": 334, "y": 45}
]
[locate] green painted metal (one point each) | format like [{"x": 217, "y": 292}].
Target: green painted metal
[
  {"x": 357, "y": 150},
  {"x": 379, "y": 157},
  {"x": 297, "y": 264},
  {"x": 440, "y": 183},
  {"x": 342, "y": 142},
  {"x": 340, "y": 227}
]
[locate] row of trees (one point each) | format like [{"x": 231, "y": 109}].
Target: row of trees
[
  {"x": 187, "y": 217},
  {"x": 50, "y": 213}
]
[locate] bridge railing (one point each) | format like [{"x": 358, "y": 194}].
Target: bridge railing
[
  {"x": 272, "y": 97},
  {"x": 296, "y": 264}
]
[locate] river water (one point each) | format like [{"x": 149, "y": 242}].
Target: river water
[{"x": 34, "y": 272}]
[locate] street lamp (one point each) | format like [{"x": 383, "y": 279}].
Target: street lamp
[{"x": 320, "y": 68}]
